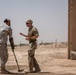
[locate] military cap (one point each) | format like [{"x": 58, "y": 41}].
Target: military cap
[
  {"x": 6, "y": 20},
  {"x": 29, "y": 21}
]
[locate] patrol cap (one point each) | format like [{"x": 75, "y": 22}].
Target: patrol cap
[
  {"x": 29, "y": 21},
  {"x": 6, "y": 20}
]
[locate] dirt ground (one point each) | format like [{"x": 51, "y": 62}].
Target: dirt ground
[{"x": 52, "y": 61}]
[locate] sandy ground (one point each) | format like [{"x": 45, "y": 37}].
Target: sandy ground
[{"x": 52, "y": 61}]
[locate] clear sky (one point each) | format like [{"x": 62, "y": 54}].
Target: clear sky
[{"x": 49, "y": 16}]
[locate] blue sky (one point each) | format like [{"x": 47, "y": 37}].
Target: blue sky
[{"x": 49, "y": 16}]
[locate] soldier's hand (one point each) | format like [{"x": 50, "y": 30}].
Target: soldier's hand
[
  {"x": 12, "y": 50},
  {"x": 27, "y": 38},
  {"x": 21, "y": 34}
]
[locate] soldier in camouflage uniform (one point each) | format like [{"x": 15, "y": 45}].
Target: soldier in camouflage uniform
[
  {"x": 32, "y": 38},
  {"x": 5, "y": 30}
]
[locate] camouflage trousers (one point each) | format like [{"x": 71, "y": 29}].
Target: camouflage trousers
[
  {"x": 33, "y": 64},
  {"x": 3, "y": 55}
]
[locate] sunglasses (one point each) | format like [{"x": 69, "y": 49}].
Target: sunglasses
[{"x": 27, "y": 23}]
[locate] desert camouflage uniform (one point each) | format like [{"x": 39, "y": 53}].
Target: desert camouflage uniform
[
  {"x": 5, "y": 30},
  {"x": 31, "y": 52}
]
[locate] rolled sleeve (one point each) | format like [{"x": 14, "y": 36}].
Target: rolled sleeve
[{"x": 35, "y": 32}]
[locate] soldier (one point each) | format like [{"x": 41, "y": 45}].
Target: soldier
[
  {"x": 5, "y": 31},
  {"x": 32, "y": 38}
]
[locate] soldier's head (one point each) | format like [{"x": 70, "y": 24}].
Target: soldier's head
[
  {"x": 7, "y": 21},
  {"x": 29, "y": 23}
]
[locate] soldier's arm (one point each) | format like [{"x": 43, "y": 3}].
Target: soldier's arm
[
  {"x": 11, "y": 39},
  {"x": 11, "y": 43},
  {"x": 34, "y": 37}
]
